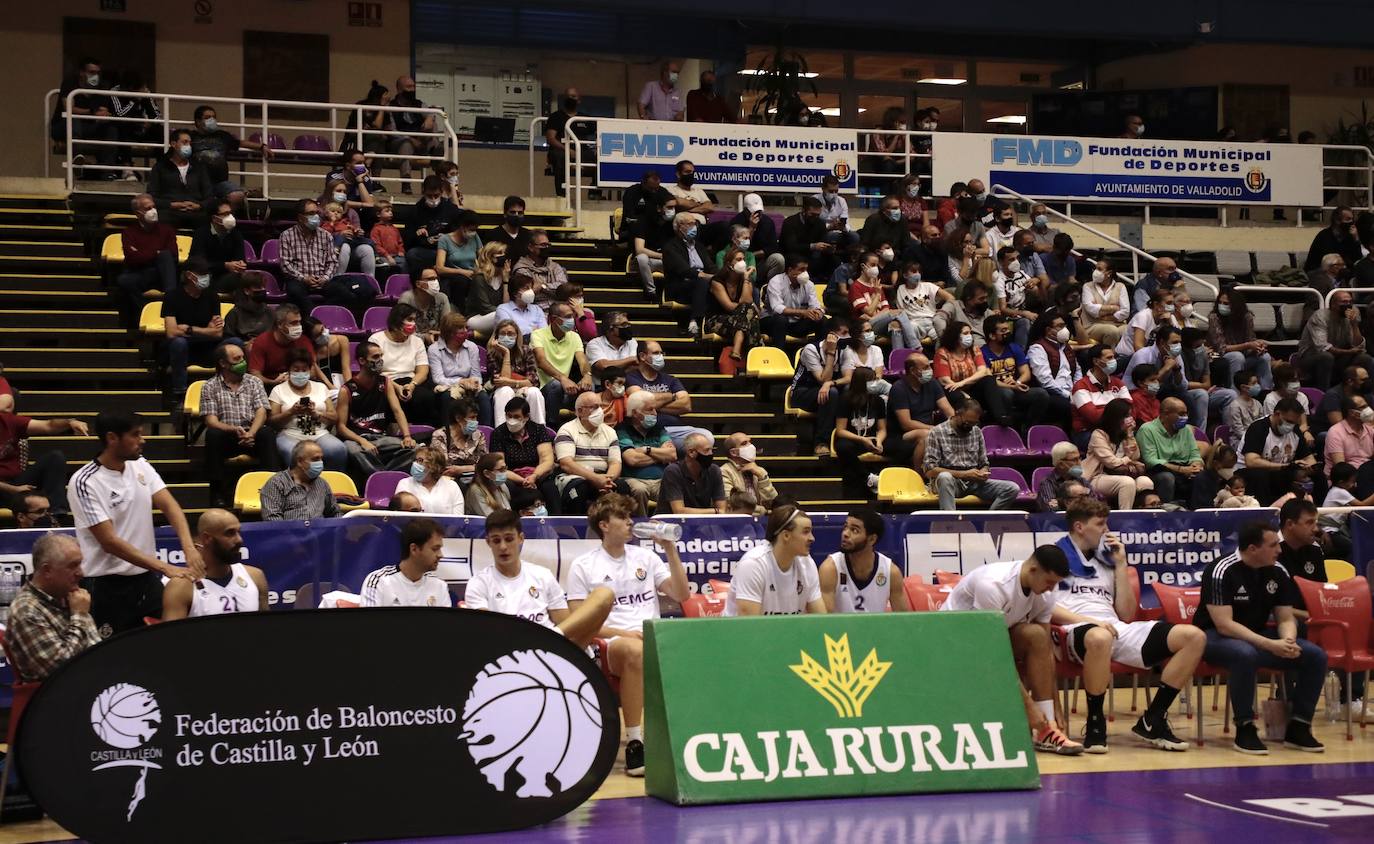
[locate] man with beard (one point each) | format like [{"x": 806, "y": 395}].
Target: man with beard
[
  {"x": 857, "y": 578},
  {"x": 229, "y": 586}
]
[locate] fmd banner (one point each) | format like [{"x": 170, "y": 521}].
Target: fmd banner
[
  {"x": 735, "y": 157},
  {"x": 1140, "y": 169}
]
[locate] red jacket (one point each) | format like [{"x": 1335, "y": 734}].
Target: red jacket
[{"x": 141, "y": 246}]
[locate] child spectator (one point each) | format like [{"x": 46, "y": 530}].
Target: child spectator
[{"x": 386, "y": 238}]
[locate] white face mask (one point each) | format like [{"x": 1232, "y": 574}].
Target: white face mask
[
  {"x": 740, "y": 267},
  {"x": 527, "y": 296},
  {"x": 515, "y": 425},
  {"x": 1014, "y": 267},
  {"x": 228, "y": 222},
  {"x": 1367, "y": 414},
  {"x": 747, "y": 452},
  {"x": 804, "y": 278},
  {"x": 150, "y": 216},
  {"x": 1061, "y": 336},
  {"x": 871, "y": 271},
  {"x": 293, "y": 331},
  {"x": 1140, "y": 130},
  {"x": 886, "y": 254},
  {"x": 1186, "y": 309},
  {"x": 430, "y": 285},
  {"x": 617, "y": 390},
  {"x": 596, "y": 417},
  {"x": 1099, "y": 276}
]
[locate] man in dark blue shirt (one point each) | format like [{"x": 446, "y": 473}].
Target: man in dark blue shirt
[{"x": 915, "y": 405}]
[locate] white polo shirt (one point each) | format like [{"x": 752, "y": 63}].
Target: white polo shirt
[
  {"x": 529, "y": 595},
  {"x": 997, "y": 587},
  {"x": 125, "y": 500},
  {"x": 634, "y": 578}
]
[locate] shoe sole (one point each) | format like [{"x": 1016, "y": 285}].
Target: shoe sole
[
  {"x": 1164, "y": 744},
  {"x": 1321, "y": 748},
  {"x": 1262, "y": 752},
  {"x": 1059, "y": 751},
  {"x": 634, "y": 772},
  {"x": 1096, "y": 749}
]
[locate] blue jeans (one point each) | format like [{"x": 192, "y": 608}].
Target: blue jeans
[
  {"x": 1001, "y": 494},
  {"x": 906, "y": 338},
  {"x": 179, "y": 352},
  {"x": 335, "y": 453},
  {"x": 1242, "y": 661},
  {"x": 1218, "y": 400},
  {"x": 1259, "y": 364}
]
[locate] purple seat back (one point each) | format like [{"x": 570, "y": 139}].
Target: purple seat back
[
  {"x": 310, "y": 143},
  {"x": 1199, "y": 435},
  {"x": 250, "y": 255},
  {"x": 1007, "y": 473},
  {"x": 271, "y": 252},
  {"x": 1314, "y": 397},
  {"x": 396, "y": 285},
  {"x": 1040, "y": 473},
  {"x": 374, "y": 319},
  {"x": 274, "y": 140},
  {"x": 552, "y": 432},
  {"x": 353, "y": 358},
  {"x": 422, "y": 432},
  {"x": 486, "y": 431},
  {"x": 482, "y": 357},
  {"x": 1002, "y": 441},
  {"x": 896, "y": 362},
  {"x": 337, "y": 319},
  {"x": 363, "y": 277},
  {"x": 381, "y": 486},
  {"x": 1222, "y": 434},
  {"x": 1041, "y": 438},
  {"x": 270, "y": 284}
]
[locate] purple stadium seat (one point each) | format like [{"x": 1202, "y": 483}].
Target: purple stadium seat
[
  {"x": 271, "y": 252},
  {"x": 363, "y": 277},
  {"x": 353, "y": 358},
  {"x": 422, "y": 432},
  {"x": 1006, "y": 473},
  {"x": 552, "y": 432},
  {"x": 486, "y": 431},
  {"x": 1040, "y": 473},
  {"x": 395, "y": 285},
  {"x": 1314, "y": 397},
  {"x": 269, "y": 285},
  {"x": 1221, "y": 434},
  {"x": 375, "y": 319},
  {"x": 482, "y": 356},
  {"x": 1200, "y": 435},
  {"x": 1002, "y": 441},
  {"x": 896, "y": 362},
  {"x": 250, "y": 255},
  {"x": 381, "y": 486},
  {"x": 1041, "y": 438},
  {"x": 337, "y": 319},
  {"x": 311, "y": 143}
]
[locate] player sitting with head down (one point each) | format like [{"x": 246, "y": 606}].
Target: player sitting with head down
[
  {"x": 531, "y": 591},
  {"x": 857, "y": 578},
  {"x": 778, "y": 578},
  {"x": 1098, "y": 588},
  {"x": 229, "y": 585},
  {"x": 411, "y": 582}
]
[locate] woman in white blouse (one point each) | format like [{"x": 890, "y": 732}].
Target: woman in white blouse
[
  {"x": 300, "y": 409},
  {"x": 437, "y": 494},
  {"x": 862, "y": 351},
  {"x": 406, "y": 363}
]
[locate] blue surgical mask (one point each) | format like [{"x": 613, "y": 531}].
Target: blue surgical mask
[
  {"x": 967, "y": 341},
  {"x": 539, "y": 510},
  {"x": 1254, "y": 390},
  {"x": 690, "y": 234},
  {"x": 323, "y": 339},
  {"x": 211, "y": 124},
  {"x": 650, "y": 420},
  {"x": 1224, "y": 309},
  {"x": 1041, "y": 221},
  {"x": 926, "y": 375},
  {"x": 299, "y": 379},
  {"x": 1152, "y": 388},
  {"x": 470, "y": 427},
  {"x": 1110, "y": 367},
  {"x": 1286, "y": 428},
  {"x": 314, "y": 468},
  {"x": 568, "y": 324},
  {"x": 1076, "y": 472},
  {"x": 506, "y": 340},
  {"x": 313, "y": 221},
  {"x": 418, "y": 471},
  {"x": 744, "y": 244},
  {"x": 1181, "y": 423},
  {"x": 870, "y": 338},
  {"x": 341, "y": 198},
  {"x": 1175, "y": 349},
  {"x": 498, "y": 478},
  {"x": 894, "y": 214},
  {"x": 657, "y": 362},
  {"x": 185, "y": 150},
  {"x": 203, "y": 282}
]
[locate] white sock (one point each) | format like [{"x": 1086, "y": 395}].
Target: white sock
[
  {"x": 1046, "y": 708},
  {"x": 634, "y": 733}
]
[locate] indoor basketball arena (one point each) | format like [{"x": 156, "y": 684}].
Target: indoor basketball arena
[{"x": 425, "y": 420}]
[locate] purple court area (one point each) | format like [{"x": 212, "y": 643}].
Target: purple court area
[{"x": 1301, "y": 802}]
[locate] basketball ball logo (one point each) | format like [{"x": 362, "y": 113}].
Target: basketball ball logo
[
  {"x": 125, "y": 716},
  {"x": 532, "y": 723}
]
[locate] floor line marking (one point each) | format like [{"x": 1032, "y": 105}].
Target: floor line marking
[{"x": 1253, "y": 812}]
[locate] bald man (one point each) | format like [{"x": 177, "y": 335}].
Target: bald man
[
  {"x": 692, "y": 484},
  {"x": 229, "y": 586},
  {"x": 405, "y": 502},
  {"x": 1169, "y": 451}
]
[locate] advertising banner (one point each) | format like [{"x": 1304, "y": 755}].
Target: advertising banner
[
  {"x": 320, "y": 726},
  {"x": 1174, "y": 172},
  {"x": 832, "y": 706},
  {"x": 777, "y": 159}
]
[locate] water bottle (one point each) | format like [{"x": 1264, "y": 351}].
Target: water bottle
[
  {"x": 1333, "y": 698},
  {"x": 658, "y": 530}
]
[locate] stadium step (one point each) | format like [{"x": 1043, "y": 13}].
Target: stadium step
[
  {"x": 36, "y": 232},
  {"x": 40, "y": 337},
  {"x": 20, "y": 282},
  {"x": 11, "y": 244},
  {"x": 14, "y": 259},
  {"x": 76, "y": 402},
  {"x": 43, "y": 202},
  {"x": 78, "y": 449},
  {"x": 54, "y": 318},
  {"x": 92, "y": 376},
  {"x": 80, "y": 357},
  {"x": 809, "y": 487}
]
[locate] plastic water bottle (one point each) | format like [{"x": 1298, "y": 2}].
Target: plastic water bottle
[
  {"x": 658, "y": 530},
  {"x": 1333, "y": 698}
]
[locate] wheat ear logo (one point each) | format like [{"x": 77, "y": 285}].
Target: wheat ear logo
[{"x": 844, "y": 687}]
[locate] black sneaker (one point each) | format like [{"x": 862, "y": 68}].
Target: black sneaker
[
  {"x": 1248, "y": 740},
  {"x": 1095, "y": 735},
  {"x": 1156, "y": 731},
  {"x": 634, "y": 758},
  {"x": 1299, "y": 737}
]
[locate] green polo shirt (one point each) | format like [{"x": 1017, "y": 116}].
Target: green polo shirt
[
  {"x": 632, "y": 440},
  {"x": 1158, "y": 448}
]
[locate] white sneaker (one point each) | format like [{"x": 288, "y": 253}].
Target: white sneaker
[
  {"x": 693, "y": 329},
  {"x": 872, "y": 482},
  {"x": 1357, "y": 708}
]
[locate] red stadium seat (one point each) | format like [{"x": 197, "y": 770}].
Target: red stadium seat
[
  {"x": 923, "y": 597},
  {"x": 702, "y": 606},
  {"x": 947, "y": 578},
  {"x": 719, "y": 587},
  {"x": 1339, "y": 621},
  {"x": 603, "y": 659},
  {"x": 1179, "y": 605}
]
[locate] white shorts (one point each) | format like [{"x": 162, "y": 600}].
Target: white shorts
[{"x": 1128, "y": 646}]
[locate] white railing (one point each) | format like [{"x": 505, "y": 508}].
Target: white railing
[
  {"x": 284, "y": 168},
  {"x": 1326, "y": 300}
]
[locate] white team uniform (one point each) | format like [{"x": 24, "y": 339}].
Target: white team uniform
[
  {"x": 872, "y": 596},
  {"x": 1095, "y": 596},
  {"x": 758, "y": 578},
  {"x": 125, "y": 500},
  {"x": 240, "y": 594},
  {"x": 997, "y": 587},
  {"x": 389, "y": 587},
  {"x": 529, "y": 595},
  {"x": 634, "y": 579}
]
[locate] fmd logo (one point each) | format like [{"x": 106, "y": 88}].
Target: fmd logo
[
  {"x": 1032, "y": 151},
  {"x": 632, "y": 145}
]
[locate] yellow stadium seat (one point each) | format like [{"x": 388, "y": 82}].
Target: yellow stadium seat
[
  {"x": 248, "y": 492},
  {"x": 671, "y": 304},
  {"x": 190, "y": 405},
  {"x": 794, "y": 412},
  {"x": 112, "y": 250},
  {"x": 183, "y": 247},
  {"x": 150, "y": 322},
  {"x": 1338, "y": 570},
  {"x": 866, "y": 457},
  {"x": 224, "y": 309},
  {"x": 342, "y": 484},
  {"x": 900, "y": 485},
  {"x": 617, "y": 216},
  {"x": 820, "y": 293},
  {"x": 768, "y": 363}
]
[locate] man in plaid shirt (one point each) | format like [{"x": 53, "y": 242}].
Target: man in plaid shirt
[
  {"x": 234, "y": 406},
  {"x": 310, "y": 262},
  {"x": 50, "y": 620},
  {"x": 957, "y": 462}
]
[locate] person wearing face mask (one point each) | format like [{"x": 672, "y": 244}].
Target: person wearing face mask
[
  {"x": 1140, "y": 330},
  {"x": 351, "y": 179},
  {"x": 521, "y": 309},
  {"x": 434, "y": 216},
  {"x": 234, "y": 406},
  {"x": 1166, "y": 353},
  {"x": 418, "y": 127},
  {"x": 733, "y": 316},
  {"x": 1060, "y": 263},
  {"x": 1231, "y": 333},
  {"x": 867, "y": 301},
  {"x": 687, "y": 270},
  {"x": 1274, "y": 449},
  {"x": 220, "y": 244},
  {"x": 310, "y": 262},
  {"x": 692, "y": 199},
  {"x": 644, "y": 201},
  {"x": 649, "y": 235},
  {"x": 229, "y": 585},
  {"x": 370, "y": 414},
  {"x": 1042, "y": 233},
  {"x": 488, "y": 491},
  {"x": 588, "y": 453},
  {"x": 948, "y": 208},
  {"x": 191, "y": 316},
  {"x": 662, "y": 99},
  {"x": 512, "y": 231},
  {"x": 813, "y": 387},
  {"x": 1352, "y": 439},
  {"x": 180, "y": 185},
  {"x": 150, "y": 259},
  {"x": 456, "y": 255},
  {"x": 386, "y": 239},
  {"x": 211, "y": 147},
  {"x": 913, "y": 207},
  {"x": 860, "y": 428},
  {"x": 1002, "y": 232},
  {"x": 405, "y": 363},
  {"x": 707, "y": 105},
  {"x": 343, "y": 223},
  {"x": 558, "y": 352},
  {"x": 1163, "y": 275},
  {"x": 804, "y": 235},
  {"x": 460, "y": 441},
  {"x": 615, "y": 348},
  {"x": 513, "y": 372},
  {"x": 919, "y": 299},
  {"x": 1013, "y": 400},
  {"x": 956, "y": 462},
  {"x": 862, "y": 352},
  {"x": 989, "y": 206},
  {"x": 1355, "y": 382},
  {"x": 555, "y": 135},
  {"x": 300, "y": 409},
  {"x": 549, "y": 276},
  {"x": 741, "y": 472},
  {"x": 1010, "y": 285},
  {"x": 753, "y": 231},
  {"x": 32, "y": 511},
  {"x": 612, "y": 395},
  {"x": 267, "y": 356},
  {"x": 959, "y": 367},
  {"x": 1067, "y": 465},
  {"x": 970, "y": 308},
  {"x": 888, "y": 226},
  {"x": 298, "y": 492},
  {"x": 835, "y": 214},
  {"x": 1245, "y": 408},
  {"x": 375, "y": 121},
  {"x": 528, "y": 449},
  {"x": 645, "y": 449},
  {"x": 1332, "y": 340},
  {"x": 885, "y": 151},
  {"x": 430, "y": 303},
  {"x": 1339, "y": 237},
  {"x": 692, "y": 484},
  {"x": 1134, "y": 127},
  {"x": 671, "y": 399},
  {"x": 489, "y": 289},
  {"x": 915, "y": 405},
  {"x": 1112, "y": 466},
  {"x": 456, "y": 368},
  {"x": 1170, "y": 452},
  {"x": 1106, "y": 306},
  {"x": 438, "y": 493},
  {"x": 792, "y": 307},
  {"x": 1145, "y": 393},
  {"x": 88, "y": 76},
  {"x": 1185, "y": 313}
]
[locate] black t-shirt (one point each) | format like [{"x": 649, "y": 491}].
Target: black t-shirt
[
  {"x": 922, "y": 404},
  {"x": 1251, "y": 593},
  {"x": 558, "y": 122},
  {"x": 196, "y": 313},
  {"x": 516, "y": 244},
  {"x": 678, "y": 485},
  {"x": 863, "y": 419},
  {"x": 409, "y": 121},
  {"x": 211, "y": 150},
  {"x": 655, "y": 230},
  {"x": 1262, "y": 439},
  {"x": 1307, "y": 562}
]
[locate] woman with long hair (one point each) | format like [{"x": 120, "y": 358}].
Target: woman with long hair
[
  {"x": 406, "y": 363},
  {"x": 511, "y": 371},
  {"x": 489, "y": 289},
  {"x": 1113, "y": 465},
  {"x": 1231, "y": 333},
  {"x": 860, "y": 428},
  {"x": 959, "y": 368},
  {"x": 488, "y": 492},
  {"x": 732, "y": 313},
  {"x": 779, "y": 578}
]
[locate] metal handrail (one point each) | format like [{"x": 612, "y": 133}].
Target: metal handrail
[{"x": 1326, "y": 300}]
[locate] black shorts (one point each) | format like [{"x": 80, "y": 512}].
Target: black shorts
[{"x": 120, "y": 602}]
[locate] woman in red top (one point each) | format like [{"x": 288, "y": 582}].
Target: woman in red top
[
  {"x": 913, "y": 206},
  {"x": 959, "y": 368}
]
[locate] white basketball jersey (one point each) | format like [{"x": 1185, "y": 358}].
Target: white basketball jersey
[
  {"x": 240, "y": 594},
  {"x": 852, "y": 596},
  {"x": 530, "y": 594},
  {"x": 757, "y": 578},
  {"x": 1093, "y": 595}
]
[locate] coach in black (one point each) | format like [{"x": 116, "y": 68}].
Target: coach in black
[{"x": 1239, "y": 593}]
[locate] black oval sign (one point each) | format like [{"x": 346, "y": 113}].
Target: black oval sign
[{"x": 320, "y": 725}]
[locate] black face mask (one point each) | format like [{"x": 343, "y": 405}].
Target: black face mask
[
  {"x": 515, "y": 219},
  {"x": 48, "y": 521},
  {"x": 963, "y": 428},
  {"x": 570, "y": 104},
  {"x": 258, "y": 296},
  {"x": 626, "y": 332},
  {"x": 708, "y": 87},
  {"x": 687, "y": 179},
  {"x": 703, "y": 460}
]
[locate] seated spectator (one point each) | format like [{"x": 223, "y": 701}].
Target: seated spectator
[
  {"x": 456, "y": 368},
  {"x": 692, "y": 199},
  {"x": 528, "y": 449},
  {"x": 813, "y": 386},
  {"x": 1338, "y": 237},
  {"x": 369, "y": 409},
  {"x": 1012, "y": 399},
  {"x": 439, "y": 495},
  {"x": 520, "y": 308},
  {"x": 429, "y": 302},
  {"x": 886, "y": 226},
  {"x": 692, "y": 484},
  {"x": 1094, "y": 391},
  {"x": 386, "y": 239},
  {"x": 489, "y": 289},
  {"x": 1246, "y": 408},
  {"x": 645, "y": 450},
  {"x": 194, "y": 327},
  {"x": 806, "y": 237},
  {"x": 404, "y": 502},
  {"x": 1184, "y": 312},
  {"x": 959, "y": 368},
  {"x": 46, "y": 474},
  {"x": 835, "y": 214},
  {"x": 1169, "y": 451},
  {"x": 671, "y": 400},
  {"x": 915, "y": 405},
  {"x": 302, "y": 410},
  {"x": 180, "y": 185},
  {"x": 310, "y": 263},
  {"x": 1331, "y": 340},
  {"x": 741, "y": 473},
  {"x": 1286, "y": 386},
  {"x": 1140, "y": 331},
  {"x": 948, "y": 208},
  {"x": 919, "y": 299},
  {"x": 742, "y": 502},
  {"x": 234, "y": 407},
  {"x": 1218, "y": 467},
  {"x": 1053, "y": 363},
  {"x": 416, "y": 125},
  {"x": 355, "y": 250},
  {"x": 250, "y": 315},
  {"x": 435, "y": 215},
  {"x": 220, "y": 244},
  {"x": 615, "y": 348},
  {"x": 752, "y": 230},
  {"x": 1106, "y": 306},
  {"x": 1332, "y": 273},
  {"x": 1060, "y": 264},
  {"x": 298, "y": 492},
  {"x": 957, "y": 462},
  {"x": 687, "y": 270},
  {"x": 1352, "y": 439},
  {"x": 644, "y": 201},
  {"x": 1041, "y": 230},
  {"x": 962, "y": 256},
  {"x": 547, "y": 273},
  {"x": 913, "y": 207},
  {"x": 1002, "y": 231},
  {"x": 352, "y": 178},
  {"x": 650, "y": 234},
  {"x": 868, "y": 301},
  {"x": 488, "y": 492},
  {"x": 50, "y": 619},
  {"x": 584, "y": 318},
  {"x": 332, "y": 351},
  {"x": 456, "y": 255},
  {"x": 211, "y": 147},
  {"x": 513, "y": 372},
  {"x": 1354, "y": 382},
  {"x": 969, "y": 215},
  {"x": 612, "y": 395},
  {"x": 1166, "y": 353},
  {"x": 791, "y": 306},
  {"x": 1233, "y": 494},
  {"x": 1163, "y": 275},
  {"x": 860, "y": 428},
  {"x": 1145, "y": 394},
  {"x": 971, "y": 308},
  {"x": 1016, "y": 287},
  {"x": 588, "y": 453},
  {"x": 32, "y": 510},
  {"x": 460, "y": 441},
  {"x": 558, "y": 354},
  {"x": 512, "y": 232},
  {"x": 928, "y": 253},
  {"x": 150, "y": 259},
  {"x": 405, "y": 363},
  {"x": 1067, "y": 464},
  {"x": 733, "y": 315},
  {"x": 863, "y": 351},
  {"x": 1112, "y": 466}
]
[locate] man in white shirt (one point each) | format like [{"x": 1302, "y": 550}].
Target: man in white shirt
[
  {"x": 635, "y": 574},
  {"x": 531, "y": 591},
  {"x": 411, "y": 582},
  {"x": 1024, "y": 594},
  {"x": 792, "y": 305},
  {"x": 616, "y": 347},
  {"x": 229, "y": 586},
  {"x": 857, "y": 578},
  {"x": 835, "y": 214},
  {"x": 112, "y": 500}
]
